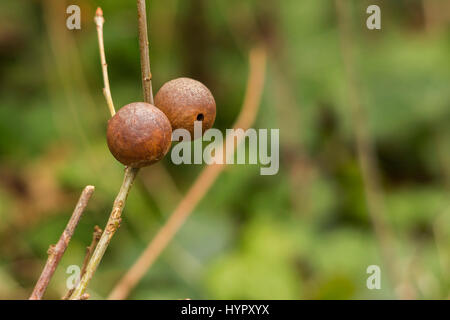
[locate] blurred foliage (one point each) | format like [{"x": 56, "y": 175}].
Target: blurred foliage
[{"x": 304, "y": 233}]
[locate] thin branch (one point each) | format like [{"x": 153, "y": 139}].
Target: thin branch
[
  {"x": 365, "y": 149},
  {"x": 130, "y": 173},
  {"x": 110, "y": 229},
  {"x": 205, "y": 180},
  {"x": 56, "y": 252},
  {"x": 96, "y": 235},
  {"x": 99, "y": 21},
  {"x": 145, "y": 56},
  {"x": 89, "y": 251}
]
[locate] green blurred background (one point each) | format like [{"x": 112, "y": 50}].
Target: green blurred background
[{"x": 304, "y": 233}]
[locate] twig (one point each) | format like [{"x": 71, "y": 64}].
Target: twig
[
  {"x": 96, "y": 235},
  {"x": 99, "y": 21},
  {"x": 130, "y": 173},
  {"x": 56, "y": 252},
  {"x": 365, "y": 148},
  {"x": 205, "y": 180},
  {"x": 110, "y": 229},
  {"x": 89, "y": 251},
  {"x": 143, "y": 49}
]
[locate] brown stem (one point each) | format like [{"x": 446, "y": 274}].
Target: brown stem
[
  {"x": 145, "y": 56},
  {"x": 56, "y": 252},
  {"x": 110, "y": 229},
  {"x": 205, "y": 180},
  {"x": 96, "y": 235}
]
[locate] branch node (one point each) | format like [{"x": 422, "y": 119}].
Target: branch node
[
  {"x": 85, "y": 296},
  {"x": 51, "y": 250}
]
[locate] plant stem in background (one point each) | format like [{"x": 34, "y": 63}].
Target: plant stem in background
[
  {"x": 205, "y": 180},
  {"x": 56, "y": 252},
  {"x": 365, "y": 149},
  {"x": 99, "y": 21},
  {"x": 110, "y": 229}
]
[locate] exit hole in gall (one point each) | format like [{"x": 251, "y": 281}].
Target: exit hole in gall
[{"x": 200, "y": 117}]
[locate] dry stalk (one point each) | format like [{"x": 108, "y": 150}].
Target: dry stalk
[
  {"x": 99, "y": 21},
  {"x": 145, "y": 54},
  {"x": 365, "y": 149},
  {"x": 55, "y": 252}
]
